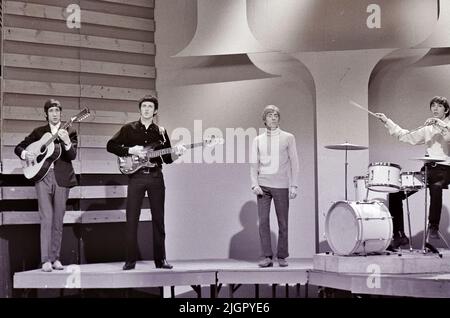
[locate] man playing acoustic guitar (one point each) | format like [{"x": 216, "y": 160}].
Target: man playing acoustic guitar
[
  {"x": 135, "y": 139},
  {"x": 53, "y": 188}
]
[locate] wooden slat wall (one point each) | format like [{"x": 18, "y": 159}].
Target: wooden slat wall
[
  {"x": 75, "y": 65},
  {"x": 107, "y": 65},
  {"x": 71, "y": 217},
  {"x": 1, "y": 89},
  {"x": 91, "y": 17}
]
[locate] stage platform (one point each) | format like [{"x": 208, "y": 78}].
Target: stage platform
[
  {"x": 407, "y": 274},
  {"x": 402, "y": 285},
  {"x": 214, "y": 272},
  {"x": 404, "y": 262}
]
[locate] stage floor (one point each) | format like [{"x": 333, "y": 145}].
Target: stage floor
[
  {"x": 325, "y": 270},
  {"x": 211, "y": 272}
]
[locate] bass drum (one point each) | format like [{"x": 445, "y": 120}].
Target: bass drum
[{"x": 355, "y": 227}]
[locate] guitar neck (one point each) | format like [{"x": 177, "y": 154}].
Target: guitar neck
[
  {"x": 165, "y": 151},
  {"x": 53, "y": 138}
]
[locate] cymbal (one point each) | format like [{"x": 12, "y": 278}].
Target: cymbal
[
  {"x": 346, "y": 146},
  {"x": 429, "y": 159}
]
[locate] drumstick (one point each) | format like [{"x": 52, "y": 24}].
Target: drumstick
[{"x": 360, "y": 107}]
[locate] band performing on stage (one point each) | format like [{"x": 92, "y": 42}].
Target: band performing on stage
[
  {"x": 143, "y": 146},
  {"x": 149, "y": 144}
]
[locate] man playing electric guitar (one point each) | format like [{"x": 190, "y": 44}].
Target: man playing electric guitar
[
  {"x": 53, "y": 188},
  {"x": 133, "y": 139}
]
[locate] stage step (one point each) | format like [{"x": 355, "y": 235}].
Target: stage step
[{"x": 393, "y": 263}]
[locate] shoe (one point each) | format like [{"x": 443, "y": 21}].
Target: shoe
[
  {"x": 434, "y": 231},
  {"x": 57, "y": 265},
  {"x": 266, "y": 262},
  {"x": 282, "y": 262},
  {"x": 398, "y": 241},
  {"x": 47, "y": 267},
  {"x": 163, "y": 264},
  {"x": 129, "y": 265}
]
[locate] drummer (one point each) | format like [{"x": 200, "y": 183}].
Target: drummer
[{"x": 436, "y": 137}]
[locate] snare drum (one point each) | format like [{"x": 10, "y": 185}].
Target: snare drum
[
  {"x": 412, "y": 180},
  {"x": 353, "y": 227},
  {"x": 384, "y": 177},
  {"x": 361, "y": 194}
]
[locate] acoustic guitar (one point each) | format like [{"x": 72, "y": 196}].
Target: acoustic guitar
[{"x": 47, "y": 152}]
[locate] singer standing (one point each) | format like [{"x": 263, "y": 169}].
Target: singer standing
[
  {"x": 274, "y": 176},
  {"x": 434, "y": 134}
]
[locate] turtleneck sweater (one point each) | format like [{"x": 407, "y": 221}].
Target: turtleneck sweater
[{"x": 274, "y": 160}]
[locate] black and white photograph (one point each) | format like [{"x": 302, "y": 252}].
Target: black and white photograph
[{"x": 221, "y": 156}]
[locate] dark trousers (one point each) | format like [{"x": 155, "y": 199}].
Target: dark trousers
[
  {"x": 281, "y": 201},
  {"x": 138, "y": 184},
  {"x": 438, "y": 179},
  {"x": 396, "y": 210}
]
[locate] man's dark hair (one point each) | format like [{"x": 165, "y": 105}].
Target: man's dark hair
[
  {"x": 442, "y": 101},
  {"x": 149, "y": 98},
  {"x": 49, "y": 104}
]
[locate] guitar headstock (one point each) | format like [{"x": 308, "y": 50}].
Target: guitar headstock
[
  {"x": 213, "y": 140},
  {"x": 83, "y": 114}
]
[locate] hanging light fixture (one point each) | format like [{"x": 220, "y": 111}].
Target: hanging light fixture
[
  {"x": 222, "y": 29},
  {"x": 439, "y": 37}
]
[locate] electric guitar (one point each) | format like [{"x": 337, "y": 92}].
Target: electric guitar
[
  {"x": 132, "y": 163},
  {"x": 47, "y": 152}
]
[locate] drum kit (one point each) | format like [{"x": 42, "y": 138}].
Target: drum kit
[{"x": 365, "y": 226}]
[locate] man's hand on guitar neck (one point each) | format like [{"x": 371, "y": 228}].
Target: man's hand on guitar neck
[
  {"x": 179, "y": 149},
  {"x": 137, "y": 151}
]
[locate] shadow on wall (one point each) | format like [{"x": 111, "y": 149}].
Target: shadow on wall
[
  {"x": 324, "y": 247},
  {"x": 245, "y": 245}
]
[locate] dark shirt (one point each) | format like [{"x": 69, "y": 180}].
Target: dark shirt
[{"x": 135, "y": 134}]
